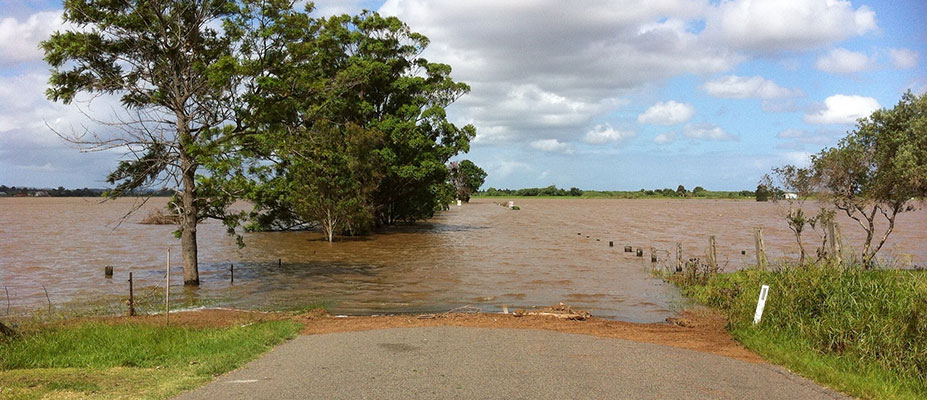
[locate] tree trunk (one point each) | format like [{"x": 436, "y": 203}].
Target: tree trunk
[{"x": 191, "y": 274}]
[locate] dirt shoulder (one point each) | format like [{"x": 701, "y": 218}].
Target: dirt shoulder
[{"x": 699, "y": 330}]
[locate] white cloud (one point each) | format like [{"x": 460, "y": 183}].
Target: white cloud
[
  {"x": 844, "y": 62},
  {"x": 775, "y": 26},
  {"x": 604, "y": 133},
  {"x": 19, "y": 40},
  {"x": 739, "y": 87},
  {"x": 549, "y": 69},
  {"x": 551, "y": 146},
  {"x": 800, "y": 159},
  {"x": 903, "y": 58},
  {"x": 667, "y": 113},
  {"x": 843, "y": 109},
  {"x": 502, "y": 169},
  {"x": 707, "y": 132},
  {"x": 664, "y": 138}
]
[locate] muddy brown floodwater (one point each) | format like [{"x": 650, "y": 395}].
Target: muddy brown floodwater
[{"x": 481, "y": 254}]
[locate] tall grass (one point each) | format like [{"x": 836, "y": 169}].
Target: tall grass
[{"x": 872, "y": 320}]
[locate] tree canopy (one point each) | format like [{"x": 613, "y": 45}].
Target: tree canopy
[
  {"x": 362, "y": 72},
  {"x": 874, "y": 173},
  {"x": 467, "y": 178},
  {"x": 173, "y": 73}
]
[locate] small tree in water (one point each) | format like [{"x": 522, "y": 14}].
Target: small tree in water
[
  {"x": 801, "y": 182},
  {"x": 874, "y": 173},
  {"x": 878, "y": 169}
]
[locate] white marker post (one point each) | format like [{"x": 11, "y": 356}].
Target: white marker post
[
  {"x": 760, "y": 304},
  {"x": 458, "y": 202},
  {"x": 511, "y": 204}
]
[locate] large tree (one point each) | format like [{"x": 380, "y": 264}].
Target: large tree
[
  {"x": 173, "y": 72},
  {"x": 364, "y": 72},
  {"x": 876, "y": 171}
]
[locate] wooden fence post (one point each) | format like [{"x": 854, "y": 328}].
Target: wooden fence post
[
  {"x": 167, "y": 289},
  {"x": 678, "y": 257},
  {"x": 712, "y": 255},
  {"x": 131, "y": 297},
  {"x": 761, "y": 260}
]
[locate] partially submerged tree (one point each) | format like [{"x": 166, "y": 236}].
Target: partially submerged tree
[
  {"x": 173, "y": 73},
  {"x": 467, "y": 178},
  {"x": 363, "y": 72},
  {"x": 878, "y": 169},
  {"x": 800, "y": 182},
  {"x": 334, "y": 172}
]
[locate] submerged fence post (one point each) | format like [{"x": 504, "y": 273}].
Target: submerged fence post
[
  {"x": 232, "y": 272},
  {"x": 108, "y": 271},
  {"x": 678, "y": 257},
  {"x": 760, "y": 304},
  {"x": 47, "y": 298},
  {"x": 131, "y": 296},
  {"x": 760, "y": 248},
  {"x": 167, "y": 288},
  {"x": 653, "y": 255},
  {"x": 712, "y": 255}
]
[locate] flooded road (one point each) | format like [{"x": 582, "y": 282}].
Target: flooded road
[{"x": 481, "y": 255}]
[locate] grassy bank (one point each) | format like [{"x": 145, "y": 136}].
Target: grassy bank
[
  {"x": 861, "y": 332},
  {"x": 128, "y": 359}
]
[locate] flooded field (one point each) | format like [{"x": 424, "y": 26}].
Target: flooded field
[{"x": 481, "y": 255}]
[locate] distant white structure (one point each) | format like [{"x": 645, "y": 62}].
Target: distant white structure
[{"x": 791, "y": 196}]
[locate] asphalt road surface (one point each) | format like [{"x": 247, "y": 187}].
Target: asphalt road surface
[{"x": 481, "y": 363}]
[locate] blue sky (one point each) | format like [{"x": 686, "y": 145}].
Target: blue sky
[{"x": 594, "y": 94}]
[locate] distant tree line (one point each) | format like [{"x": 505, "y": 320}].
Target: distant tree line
[
  {"x": 60, "y": 191},
  {"x": 551, "y": 190},
  {"x": 680, "y": 191}
]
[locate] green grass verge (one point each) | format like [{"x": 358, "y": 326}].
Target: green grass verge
[
  {"x": 861, "y": 332},
  {"x": 128, "y": 360}
]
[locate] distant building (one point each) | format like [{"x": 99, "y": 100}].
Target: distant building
[
  {"x": 791, "y": 196},
  {"x": 41, "y": 193},
  {"x": 3, "y": 194}
]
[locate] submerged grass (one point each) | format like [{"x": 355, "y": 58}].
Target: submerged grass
[
  {"x": 863, "y": 332},
  {"x": 137, "y": 360}
]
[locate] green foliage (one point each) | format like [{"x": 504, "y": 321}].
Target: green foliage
[
  {"x": 335, "y": 173},
  {"x": 174, "y": 74},
  {"x": 467, "y": 178},
  {"x": 763, "y": 193},
  {"x": 553, "y": 191},
  {"x": 868, "y": 317},
  {"x": 363, "y": 72},
  {"x": 875, "y": 171}
]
